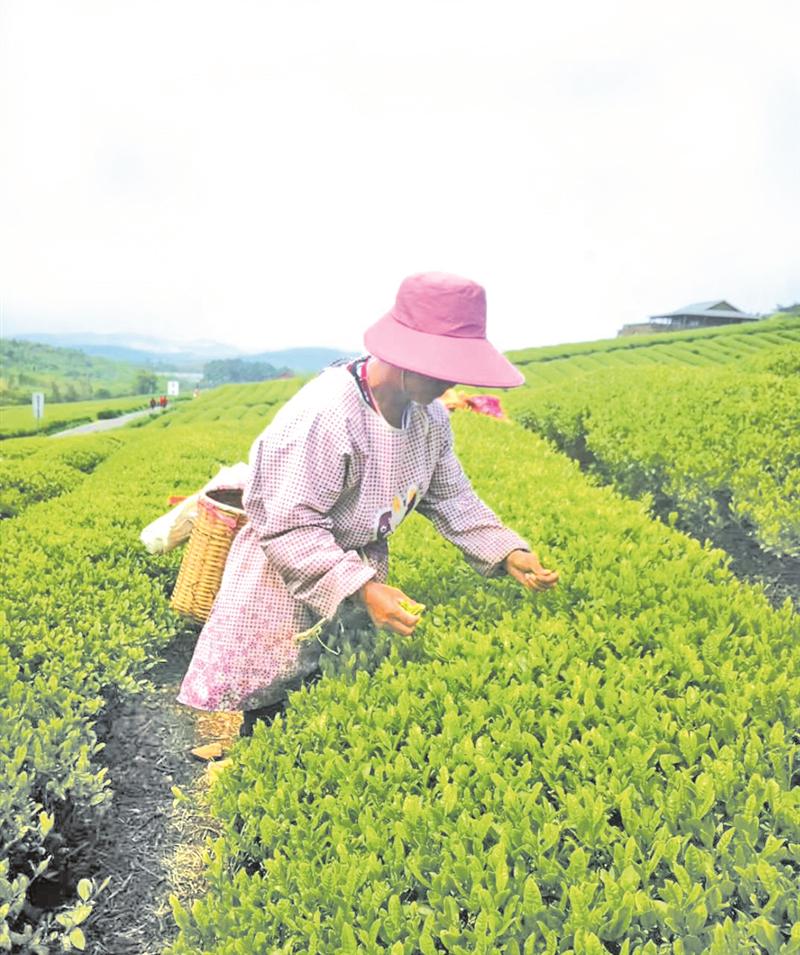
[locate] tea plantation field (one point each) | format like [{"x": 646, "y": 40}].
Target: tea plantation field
[
  {"x": 613, "y": 766},
  {"x": 692, "y": 348},
  {"x": 718, "y": 443}
]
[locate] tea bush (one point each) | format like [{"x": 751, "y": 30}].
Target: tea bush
[
  {"x": 613, "y": 766},
  {"x": 34, "y": 470},
  {"x": 717, "y": 444},
  {"x": 85, "y": 613}
]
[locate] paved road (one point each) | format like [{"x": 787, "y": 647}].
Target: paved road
[{"x": 106, "y": 424}]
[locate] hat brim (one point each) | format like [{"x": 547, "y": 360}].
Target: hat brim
[{"x": 465, "y": 361}]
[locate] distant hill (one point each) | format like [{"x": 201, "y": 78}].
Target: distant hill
[
  {"x": 181, "y": 361},
  {"x": 160, "y": 354},
  {"x": 228, "y": 370},
  {"x": 142, "y": 350},
  {"x": 66, "y": 374},
  {"x": 301, "y": 359}
]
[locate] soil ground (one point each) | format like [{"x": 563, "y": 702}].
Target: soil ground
[
  {"x": 151, "y": 846},
  {"x": 780, "y": 576},
  {"x": 106, "y": 424}
]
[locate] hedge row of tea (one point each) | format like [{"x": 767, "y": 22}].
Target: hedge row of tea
[
  {"x": 101, "y": 612},
  {"x": 85, "y": 613},
  {"x": 613, "y": 766},
  {"x": 34, "y": 470},
  {"x": 717, "y": 444},
  {"x": 698, "y": 347}
]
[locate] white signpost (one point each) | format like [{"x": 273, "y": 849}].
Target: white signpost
[
  {"x": 38, "y": 404},
  {"x": 173, "y": 388}
]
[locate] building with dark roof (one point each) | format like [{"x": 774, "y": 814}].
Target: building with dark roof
[{"x": 696, "y": 315}]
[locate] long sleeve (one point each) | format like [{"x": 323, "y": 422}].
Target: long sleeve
[
  {"x": 299, "y": 470},
  {"x": 459, "y": 515}
]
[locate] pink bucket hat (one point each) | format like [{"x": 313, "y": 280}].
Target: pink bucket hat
[{"x": 438, "y": 328}]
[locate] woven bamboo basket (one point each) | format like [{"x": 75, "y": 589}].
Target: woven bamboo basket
[{"x": 219, "y": 518}]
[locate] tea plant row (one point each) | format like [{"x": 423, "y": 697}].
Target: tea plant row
[
  {"x": 33, "y": 470},
  {"x": 692, "y": 348},
  {"x": 613, "y": 766},
  {"x": 88, "y": 612},
  {"x": 85, "y": 612},
  {"x": 716, "y": 444}
]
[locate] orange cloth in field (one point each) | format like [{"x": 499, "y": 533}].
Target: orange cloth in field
[{"x": 483, "y": 404}]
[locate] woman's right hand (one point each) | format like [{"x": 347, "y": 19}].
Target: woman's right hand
[{"x": 383, "y": 606}]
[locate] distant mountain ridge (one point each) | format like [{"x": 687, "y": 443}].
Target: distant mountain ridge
[
  {"x": 166, "y": 355},
  {"x": 131, "y": 340},
  {"x": 301, "y": 359}
]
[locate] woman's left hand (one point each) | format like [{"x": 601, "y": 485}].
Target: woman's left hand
[{"x": 524, "y": 566}]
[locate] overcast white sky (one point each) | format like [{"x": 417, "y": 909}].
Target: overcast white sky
[{"x": 265, "y": 173}]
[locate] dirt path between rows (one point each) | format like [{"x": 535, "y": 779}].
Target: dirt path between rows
[
  {"x": 150, "y": 846},
  {"x": 779, "y": 575},
  {"x": 106, "y": 424}
]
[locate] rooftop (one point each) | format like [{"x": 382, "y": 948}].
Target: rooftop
[{"x": 717, "y": 308}]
